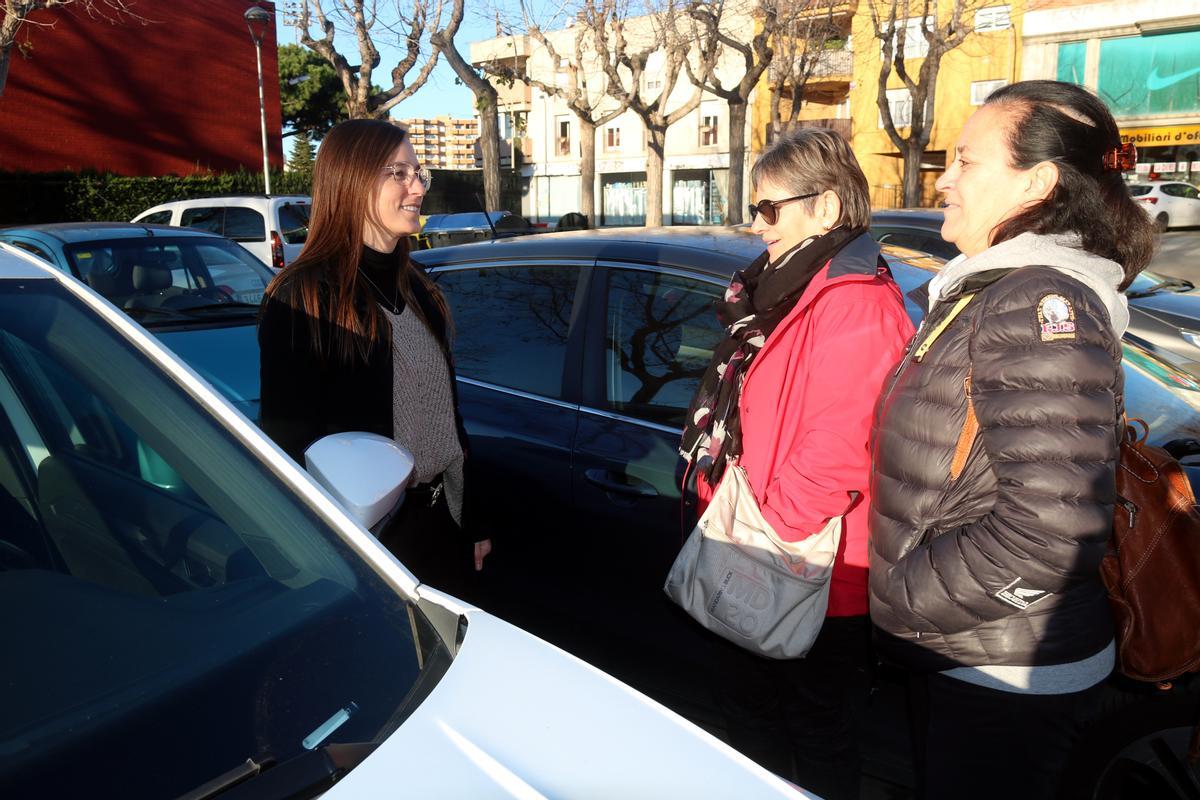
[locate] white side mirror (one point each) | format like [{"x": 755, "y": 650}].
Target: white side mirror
[{"x": 365, "y": 472}]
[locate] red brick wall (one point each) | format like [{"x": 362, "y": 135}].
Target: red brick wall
[{"x": 176, "y": 95}]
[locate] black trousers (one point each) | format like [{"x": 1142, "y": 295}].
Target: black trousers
[
  {"x": 427, "y": 540},
  {"x": 800, "y": 718},
  {"x": 973, "y": 742}
]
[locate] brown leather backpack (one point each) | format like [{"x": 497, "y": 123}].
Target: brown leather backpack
[{"x": 1152, "y": 569}]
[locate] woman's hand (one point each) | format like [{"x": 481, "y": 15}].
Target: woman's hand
[{"x": 481, "y": 551}]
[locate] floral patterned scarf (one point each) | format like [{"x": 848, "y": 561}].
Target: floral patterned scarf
[{"x": 757, "y": 300}]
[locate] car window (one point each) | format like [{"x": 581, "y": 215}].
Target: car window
[
  {"x": 511, "y": 324},
  {"x": 159, "y": 279},
  {"x": 204, "y": 219},
  {"x": 1190, "y": 192},
  {"x": 163, "y": 572},
  {"x": 1139, "y": 190},
  {"x": 293, "y": 223},
  {"x": 157, "y": 218},
  {"x": 31, "y": 248},
  {"x": 1173, "y": 189},
  {"x": 245, "y": 225},
  {"x": 922, "y": 241},
  {"x": 661, "y": 333}
]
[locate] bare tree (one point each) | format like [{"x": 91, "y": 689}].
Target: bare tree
[
  {"x": 486, "y": 104},
  {"x": 319, "y": 21},
  {"x": 803, "y": 27},
  {"x": 15, "y": 16},
  {"x": 892, "y": 21},
  {"x": 662, "y": 30},
  {"x": 757, "y": 55},
  {"x": 585, "y": 100}
]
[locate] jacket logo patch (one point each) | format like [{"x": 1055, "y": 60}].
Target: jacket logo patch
[
  {"x": 1019, "y": 596},
  {"x": 1056, "y": 318}
]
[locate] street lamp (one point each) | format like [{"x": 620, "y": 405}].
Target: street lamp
[{"x": 257, "y": 20}]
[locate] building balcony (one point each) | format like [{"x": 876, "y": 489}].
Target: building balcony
[{"x": 833, "y": 66}]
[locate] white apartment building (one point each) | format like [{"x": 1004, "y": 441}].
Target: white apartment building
[{"x": 696, "y": 162}]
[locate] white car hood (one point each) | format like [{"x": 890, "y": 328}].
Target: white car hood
[{"x": 517, "y": 717}]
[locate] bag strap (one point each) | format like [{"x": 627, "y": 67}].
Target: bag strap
[{"x": 966, "y": 436}]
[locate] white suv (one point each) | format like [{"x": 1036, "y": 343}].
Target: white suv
[{"x": 271, "y": 227}]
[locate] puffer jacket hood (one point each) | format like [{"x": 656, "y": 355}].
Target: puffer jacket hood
[{"x": 1062, "y": 252}]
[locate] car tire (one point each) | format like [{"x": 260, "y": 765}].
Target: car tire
[
  {"x": 1162, "y": 221},
  {"x": 1137, "y": 745}
]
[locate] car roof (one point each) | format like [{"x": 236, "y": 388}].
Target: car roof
[
  {"x": 71, "y": 232},
  {"x": 714, "y": 249},
  {"x": 920, "y": 216},
  {"x": 18, "y": 265},
  {"x": 303, "y": 197}
]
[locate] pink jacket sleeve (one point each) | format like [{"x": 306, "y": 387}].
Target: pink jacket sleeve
[{"x": 853, "y": 344}]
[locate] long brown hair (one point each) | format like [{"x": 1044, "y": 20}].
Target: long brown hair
[{"x": 323, "y": 281}]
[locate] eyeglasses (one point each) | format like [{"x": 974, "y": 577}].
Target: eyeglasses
[
  {"x": 770, "y": 208},
  {"x": 403, "y": 173}
]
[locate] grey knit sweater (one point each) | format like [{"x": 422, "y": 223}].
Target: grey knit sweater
[{"x": 423, "y": 406}]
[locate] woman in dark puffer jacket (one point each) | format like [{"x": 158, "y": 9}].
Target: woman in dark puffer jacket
[{"x": 996, "y": 445}]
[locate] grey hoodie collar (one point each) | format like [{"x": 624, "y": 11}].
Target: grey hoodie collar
[{"x": 1062, "y": 252}]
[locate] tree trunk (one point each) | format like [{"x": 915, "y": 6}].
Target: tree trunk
[
  {"x": 5, "y": 53},
  {"x": 912, "y": 174},
  {"x": 489, "y": 148},
  {"x": 587, "y": 170},
  {"x": 656, "y": 143},
  {"x": 737, "y": 161}
]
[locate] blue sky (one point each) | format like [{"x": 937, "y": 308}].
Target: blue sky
[{"x": 440, "y": 94}]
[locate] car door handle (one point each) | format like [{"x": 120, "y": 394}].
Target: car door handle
[{"x": 620, "y": 484}]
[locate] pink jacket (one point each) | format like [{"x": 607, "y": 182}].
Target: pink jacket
[{"x": 806, "y": 410}]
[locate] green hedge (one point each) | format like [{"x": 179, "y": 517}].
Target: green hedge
[{"x": 27, "y": 198}]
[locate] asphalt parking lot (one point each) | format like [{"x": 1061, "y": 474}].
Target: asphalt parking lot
[{"x": 1179, "y": 255}]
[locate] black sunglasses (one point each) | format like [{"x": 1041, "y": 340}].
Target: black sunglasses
[{"x": 770, "y": 208}]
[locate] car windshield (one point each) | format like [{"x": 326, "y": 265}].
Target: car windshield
[
  {"x": 170, "y": 600},
  {"x": 1137, "y": 190},
  {"x": 171, "y": 275}
]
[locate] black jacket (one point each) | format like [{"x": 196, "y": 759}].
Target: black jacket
[
  {"x": 1000, "y": 566},
  {"x": 305, "y": 397}
]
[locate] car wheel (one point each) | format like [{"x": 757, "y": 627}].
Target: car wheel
[
  {"x": 1162, "y": 221},
  {"x": 1137, "y": 747}
]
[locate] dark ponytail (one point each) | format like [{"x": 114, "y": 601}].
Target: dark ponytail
[{"x": 1069, "y": 126}]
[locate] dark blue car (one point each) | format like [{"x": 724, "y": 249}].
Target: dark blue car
[{"x": 577, "y": 355}]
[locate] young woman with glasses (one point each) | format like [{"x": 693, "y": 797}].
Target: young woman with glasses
[
  {"x": 354, "y": 338},
  {"x": 814, "y": 325}
]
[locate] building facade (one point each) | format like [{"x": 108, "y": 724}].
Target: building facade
[
  {"x": 1142, "y": 57},
  {"x": 167, "y": 92},
  {"x": 539, "y": 125},
  {"x": 444, "y": 142}
]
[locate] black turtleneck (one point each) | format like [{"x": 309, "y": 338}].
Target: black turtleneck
[{"x": 382, "y": 271}]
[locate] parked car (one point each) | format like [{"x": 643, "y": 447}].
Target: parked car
[
  {"x": 198, "y": 292},
  {"x": 272, "y": 227},
  {"x": 1170, "y": 203},
  {"x": 577, "y": 355},
  {"x": 1164, "y": 312},
  {"x": 443, "y": 230},
  {"x": 190, "y": 615}
]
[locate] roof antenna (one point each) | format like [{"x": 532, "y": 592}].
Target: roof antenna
[{"x": 486, "y": 216}]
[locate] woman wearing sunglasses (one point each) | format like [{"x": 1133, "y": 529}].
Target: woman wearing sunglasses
[
  {"x": 354, "y": 338},
  {"x": 814, "y": 325}
]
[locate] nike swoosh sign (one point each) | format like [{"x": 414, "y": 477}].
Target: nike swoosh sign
[{"x": 1155, "y": 82}]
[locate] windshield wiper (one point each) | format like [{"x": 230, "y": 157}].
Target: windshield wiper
[
  {"x": 135, "y": 311},
  {"x": 307, "y": 775},
  {"x": 1175, "y": 284},
  {"x": 232, "y": 304}
]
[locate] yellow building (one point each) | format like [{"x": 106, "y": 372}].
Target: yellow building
[{"x": 989, "y": 58}]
